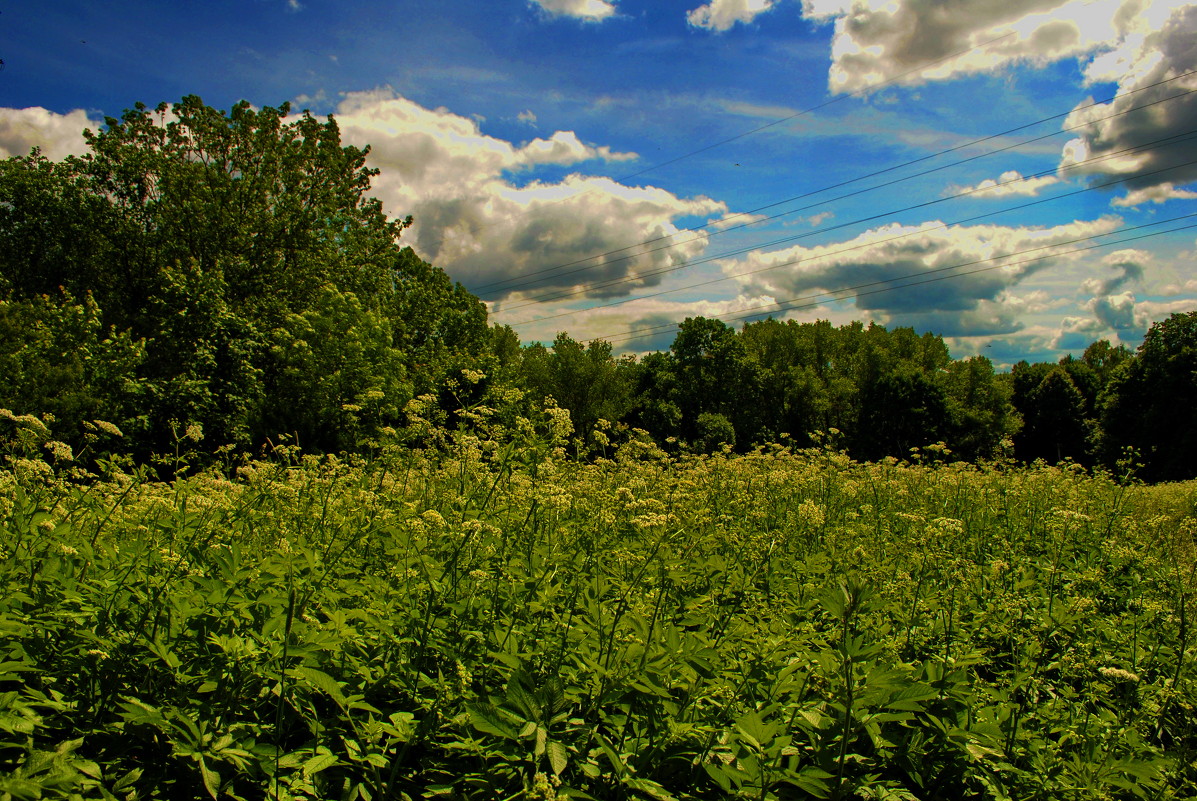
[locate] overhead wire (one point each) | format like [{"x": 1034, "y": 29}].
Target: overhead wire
[
  {"x": 507, "y": 285},
  {"x": 550, "y": 273},
  {"x": 815, "y": 299},
  {"x": 858, "y": 93},
  {"x": 1171, "y": 140}
]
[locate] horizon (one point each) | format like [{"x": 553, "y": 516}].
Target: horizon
[{"x": 607, "y": 169}]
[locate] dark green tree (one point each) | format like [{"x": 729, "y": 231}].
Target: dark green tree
[
  {"x": 1150, "y": 403},
  {"x": 585, "y": 379},
  {"x": 1054, "y": 426},
  {"x": 243, "y": 248},
  {"x": 900, "y": 410}
]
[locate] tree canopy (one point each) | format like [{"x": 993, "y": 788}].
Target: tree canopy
[
  {"x": 229, "y": 272},
  {"x": 263, "y": 290}
]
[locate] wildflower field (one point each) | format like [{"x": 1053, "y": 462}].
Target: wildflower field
[{"x": 494, "y": 620}]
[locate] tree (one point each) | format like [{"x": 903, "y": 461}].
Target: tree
[
  {"x": 716, "y": 376},
  {"x": 980, "y": 414},
  {"x": 900, "y": 410},
  {"x": 1150, "y": 400},
  {"x": 585, "y": 379},
  {"x": 224, "y": 240}
]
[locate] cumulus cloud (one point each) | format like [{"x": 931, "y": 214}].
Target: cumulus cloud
[
  {"x": 506, "y": 240},
  {"x": 893, "y": 272},
  {"x": 1009, "y": 184},
  {"x": 1186, "y": 288},
  {"x": 1112, "y": 308},
  {"x": 640, "y": 325},
  {"x": 589, "y": 10},
  {"x": 1161, "y": 193},
  {"x": 720, "y": 15},
  {"x": 1157, "y": 56},
  {"x": 915, "y": 41},
  {"x": 58, "y": 135}
]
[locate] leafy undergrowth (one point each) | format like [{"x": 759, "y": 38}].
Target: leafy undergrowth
[{"x": 499, "y": 622}]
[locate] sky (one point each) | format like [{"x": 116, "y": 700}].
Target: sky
[{"x": 1019, "y": 177}]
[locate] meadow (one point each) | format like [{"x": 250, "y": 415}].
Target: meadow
[{"x": 487, "y": 617}]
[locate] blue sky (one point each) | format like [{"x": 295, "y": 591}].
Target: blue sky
[{"x": 610, "y": 167}]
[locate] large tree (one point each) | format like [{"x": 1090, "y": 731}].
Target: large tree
[
  {"x": 244, "y": 249},
  {"x": 1150, "y": 404}
]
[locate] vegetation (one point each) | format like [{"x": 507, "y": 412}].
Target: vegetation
[
  {"x": 789, "y": 561},
  {"x": 491, "y": 619},
  {"x": 224, "y": 269},
  {"x": 231, "y": 270}
]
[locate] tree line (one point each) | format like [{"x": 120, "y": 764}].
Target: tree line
[{"x": 229, "y": 270}]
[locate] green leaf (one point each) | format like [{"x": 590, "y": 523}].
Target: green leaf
[
  {"x": 488, "y": 719},
  {"x": 319, "y": 762},
  {"x": 211, "y": 778},
  {"x": 320, "y": 681},
  {"x": 558, "y": 756}
]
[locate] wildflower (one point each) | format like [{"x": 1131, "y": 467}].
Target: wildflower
[
  {"x": 26, "y": 421},
  {"x": 812, "y": 512},
  {"x": 108, "y": 428},
  {"x": 560, "y": 424},
  {"x": 67, "y": 550},
  {"x": 473, "y": 376},
  {"x": 464, "y": 677},
  {"x": 542, "y": 788},
  {"x": 194, "y": 432},
  {"x": 99, "y": 655},
  {"x": 60, "y": 451},
  {"x": 1118, "y": 675}
]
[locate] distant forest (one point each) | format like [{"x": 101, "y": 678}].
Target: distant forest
[{"x": 228, "y": 273}]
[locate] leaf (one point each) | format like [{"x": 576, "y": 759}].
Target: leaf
[
  {"x": 211, "y": 777},
  {"x": 558, "y": 756},
  {"x": 319, "y": 762},
  {"x": 487, "y": 718},
  {"x": 319, "y": 680},
  {"x": 649, "y": 788}
]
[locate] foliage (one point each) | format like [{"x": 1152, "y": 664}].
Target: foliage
[
  {"x": 1148, "y": 404},
  {"x": 265, "y": 289},
  {"x": 490, "y": 619}
]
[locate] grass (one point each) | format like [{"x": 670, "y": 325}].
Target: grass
[{"x": 493, "y": 620}]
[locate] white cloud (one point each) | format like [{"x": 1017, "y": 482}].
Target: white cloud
[
  {"x": 1161, "y": 193},
  {"x": 639, "y": 325},
  {"x": 914, "y": 41},
  {"x": 1160, "y": 55},
  {"x": 740, "y": 219},
  {"x": 474, "y": 221},
  {"x": 1009, "y": 184},
  {"x": 590, "y": 10},
  {"x": 970, "y": 301},
  {"x": 720, "y": 15},
  {"x": 1187, "y": 288},
  {"x": 527, "y": 117},
  {"x": 58, "y": 135},
  {"x": 1112, "y": 309}
]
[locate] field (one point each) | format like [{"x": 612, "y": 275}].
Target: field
[{"x": 497, "y": 621}]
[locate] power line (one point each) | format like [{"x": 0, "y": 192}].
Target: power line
[
  {"x": 858, "y": 93},
  {"x": 1179, "y": 138},
  {"x": 814, "y": 300},
  {"x": 527, "y": 279},
  {"x": 1175, "y": 139}
]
